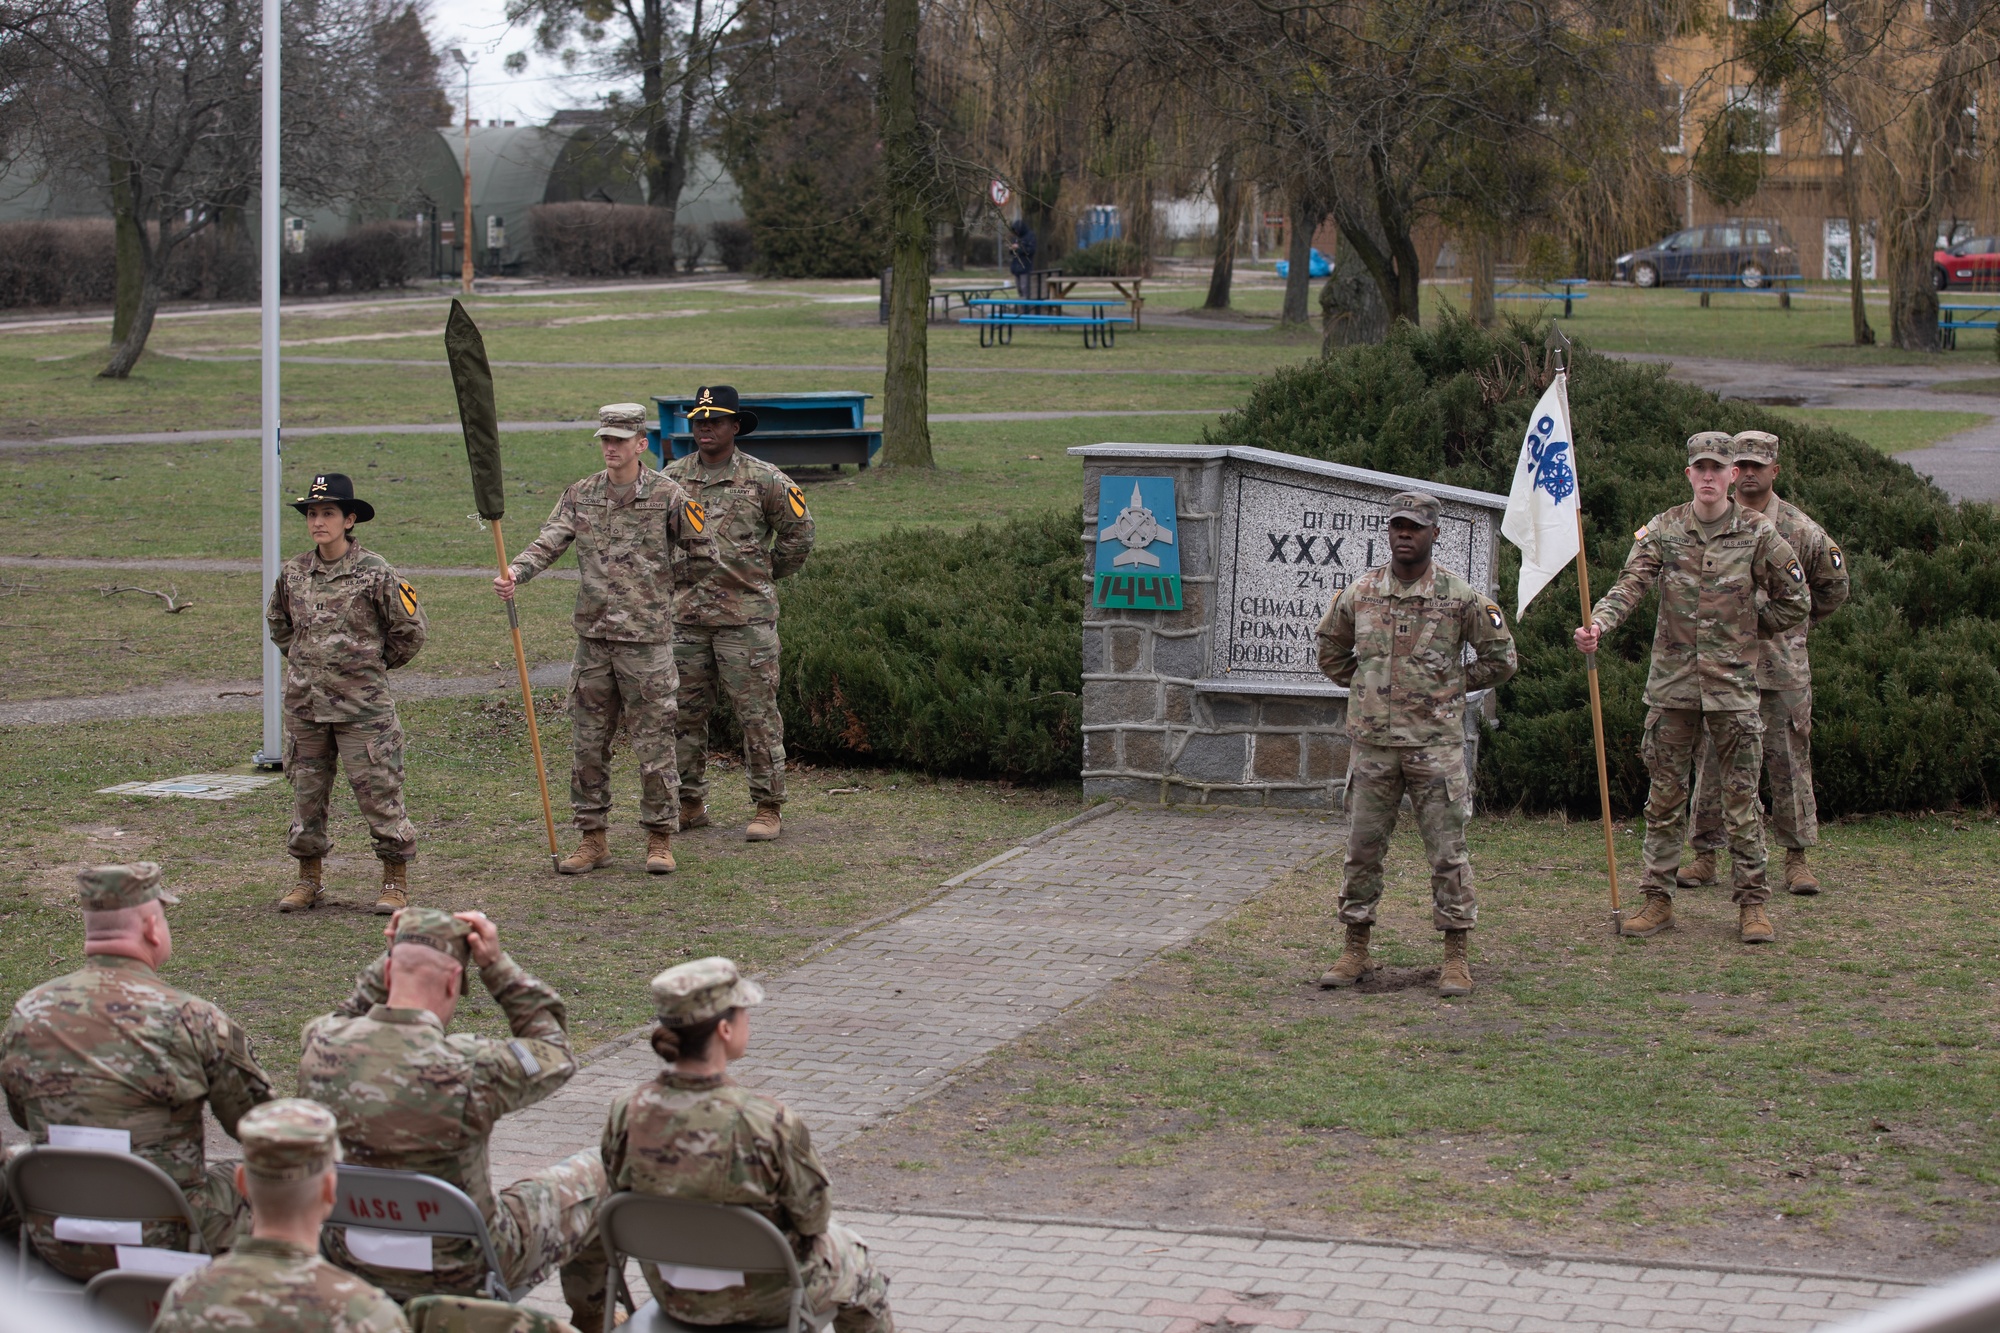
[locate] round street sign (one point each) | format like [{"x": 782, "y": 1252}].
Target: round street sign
[{"x": 999, "y": 193}]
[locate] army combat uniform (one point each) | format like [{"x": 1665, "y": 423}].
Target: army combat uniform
[
  {"x": 342, "y": 628},
  {"x": 412, "y": 1098},
  {"x": 265, "y": 1285},
  {"x": 1399, "y": 648},
  {"x": 1723, "y": 586},
  {"x": 726, "y": 617},
  {"x": 709, "y": 1140},
  {"x": 1784, "y": 692},
  {"x": 625, "y": 540},
  {"x": 111, "y": 1046}
]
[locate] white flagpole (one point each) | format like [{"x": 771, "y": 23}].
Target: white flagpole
[
  {"x": 272, "y": 752},
  {"x": 1560, "y": 346}
]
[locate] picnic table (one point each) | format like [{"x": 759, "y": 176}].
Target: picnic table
[
  {"x": 1566, "y": 290},
  {"x": 793, "y": 429},
  {"x": 1952, "y": 318},
  {"x": 1778, "y": 284},
  {"x": 1132, "y": 289},
  {"x": 940, "y": 297},
  {"x": 999, "y": 319}
]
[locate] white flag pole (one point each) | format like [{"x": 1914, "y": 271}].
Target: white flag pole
[
  {"x": 1559, "y": 348},
  {"x": 271, "y": 755}
]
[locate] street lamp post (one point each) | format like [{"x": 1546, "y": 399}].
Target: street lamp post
[
  {"x": 465, "y": 239},
  {"x": 270, "y": 754}
]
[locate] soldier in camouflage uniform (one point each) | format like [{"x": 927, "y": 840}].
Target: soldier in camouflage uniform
[
  {"x": 1727, "y": 579},
  {"x": 693, "y": 1133},
  {"x": 1402, "y": 630},
  {"x": 1784, "y": 684},
  {"x": 626, "y": 523},
  {"x": 113, "y": 1047},
  {"x": 411, "y": 1098},
  {"x": 274, "y": 1280},
  {"x": 726, "y": 607},
  {"x": 344, "y": 620}
]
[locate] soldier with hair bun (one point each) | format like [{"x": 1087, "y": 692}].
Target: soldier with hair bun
[{"x": 693, "y": 1133}]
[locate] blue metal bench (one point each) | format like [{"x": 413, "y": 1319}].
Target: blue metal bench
[
  {"x": 793, "y": 429},
  {"x": 1778, "y": 284},
  {"x": 1572, "y": 291},
  {"x": 1950, "y": 322},
  {"x": 996, "y": 329}
]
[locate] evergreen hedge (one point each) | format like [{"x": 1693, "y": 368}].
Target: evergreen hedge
[
  {"x": 948, "y": 652},
  {"x": 1906, "y": 676}
]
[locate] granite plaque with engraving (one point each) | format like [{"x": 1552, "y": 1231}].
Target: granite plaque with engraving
[{"x": 1212, "y": 695}]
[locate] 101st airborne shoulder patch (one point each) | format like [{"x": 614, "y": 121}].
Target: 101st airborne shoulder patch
[
  {"x": 409, "y": 596},
  {"x": 697, "y": 517},
  {"x": 1493, "y": 616},
  {"x": 1833, "y": 554},
  {"x": 1798, "y": 575},
  {"x": 798, "y": 499}
]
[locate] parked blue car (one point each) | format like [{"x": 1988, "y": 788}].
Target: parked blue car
[{"x": 1319, "y": 266}]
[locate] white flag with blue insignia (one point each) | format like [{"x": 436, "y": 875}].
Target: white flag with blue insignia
[{"x": 1542, "y": 508}]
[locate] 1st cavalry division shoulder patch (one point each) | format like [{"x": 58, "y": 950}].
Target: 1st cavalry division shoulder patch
[
  {"x": 798, "y": 499},
  {"x": 697, "y": 517},
  {"x": 409, "y": 596}
]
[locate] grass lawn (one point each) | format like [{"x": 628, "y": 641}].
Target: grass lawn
[
  {"x": 1829, "y": 1100},
  {"x": 597, "y": 938},
  {"x": 1889, "y": 430}
]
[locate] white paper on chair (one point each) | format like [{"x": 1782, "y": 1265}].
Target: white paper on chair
[
  {"x": 699, "y": 1279},
  {"x": 166, "y": 1263},
  {"x": 406, "y": 1250},
  {"x": 97, "y": 1231},
  {"x": 83, "y": 1136}
]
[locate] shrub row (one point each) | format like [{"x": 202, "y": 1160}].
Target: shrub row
[
  {"x": 74, "y": 261},
  {"x": 366, "y": 259},
  {"x": 949, "y": 652},
  {"x": 1107, "y": 259},
  {"x": 598, "y": 240},
  {"x": 1906, "y": 678}
]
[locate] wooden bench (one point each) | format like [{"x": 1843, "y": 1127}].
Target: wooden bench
[
  {"x": 1132, "y": 290},
  {"x": 1771, "y": 284},
  {"x": 1572, "y": 291},
  {"x": 941, "y": 298},
  {"x": 793, "y": 429},
  {"x": 1952, "y": 318},
  {"x": 996, "y": 326}
]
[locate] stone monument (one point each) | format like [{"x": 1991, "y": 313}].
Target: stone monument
[{"x": 1210, "y": 569}]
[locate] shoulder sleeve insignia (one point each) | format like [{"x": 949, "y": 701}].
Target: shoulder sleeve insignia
[
  {"x": 1494, "y": 618},
  {"x": 798, "y": 501},
  {"x": 1792, "y": 568},
  {"x": 1640, "y": 535},
  {"x": 697, "y": 517},
  {"x": 409, "y": 596},
  {"x": 529, "y": 1064},
  {"x": 1833, "y": 554}
]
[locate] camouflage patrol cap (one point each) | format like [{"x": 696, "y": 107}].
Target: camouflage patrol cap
[
  {"x": 289, "y": 1139},
  {"x": 113, "y": 888},
  {"x": 698, "y": 991},
  {"x": 1715, "y": 444},
  {"x": 621, "y": 421},
  {"x": 434, "y": 928},
  {"x": 1755, "y": 446},
  {"x": 1417, "y": 506}
]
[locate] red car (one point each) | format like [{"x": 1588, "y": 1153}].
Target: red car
[{"x": 1973, "y": 263}]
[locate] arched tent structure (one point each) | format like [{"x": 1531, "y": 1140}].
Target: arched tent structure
[{"x": 513, "y": 169}]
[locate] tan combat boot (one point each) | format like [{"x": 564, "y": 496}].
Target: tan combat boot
[
  {"x": 1455, "y": 977},
  {"x": 694, "y": 815},
  {"x": 765, "y": 827},
  {"x": 395, "y": 888},
  {"x": 659, "y": 854},
  {"x": 1798, "y": 879},
  {"x": 593, "y": 853},
  {"x": 1353, "y": 963},
  {"x": 1698, "y": 873},
  {"x": 305, "y": 894},
  {"x": 1753, "y": 926},
  {"x": 1656, "y": 916}
]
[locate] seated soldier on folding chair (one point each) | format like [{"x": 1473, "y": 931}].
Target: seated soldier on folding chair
[
  {"x": 110, "y": 1055},
  {"x": 412, "y": 1098},
  {"x": 692, "y": 1133}
]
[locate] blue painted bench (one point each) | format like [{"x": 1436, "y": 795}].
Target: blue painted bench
[
  {"x": 1571, "y": 292},
  {"x": 1000, "y": 318},
  {"x": 1952, "y": 318},
  {"x": 793, "y": 429},
  {"x": 1771, "y": 284}
]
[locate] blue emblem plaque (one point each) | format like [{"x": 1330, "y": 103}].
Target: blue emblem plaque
[{"x": 1138, "y": 545}]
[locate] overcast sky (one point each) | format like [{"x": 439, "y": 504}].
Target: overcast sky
[{"x": 480, "y": 28}]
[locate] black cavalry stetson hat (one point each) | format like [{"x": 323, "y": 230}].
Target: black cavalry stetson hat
[
  {"x": 335, "y": 488},
  {"x": 719, "y": 400}
]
